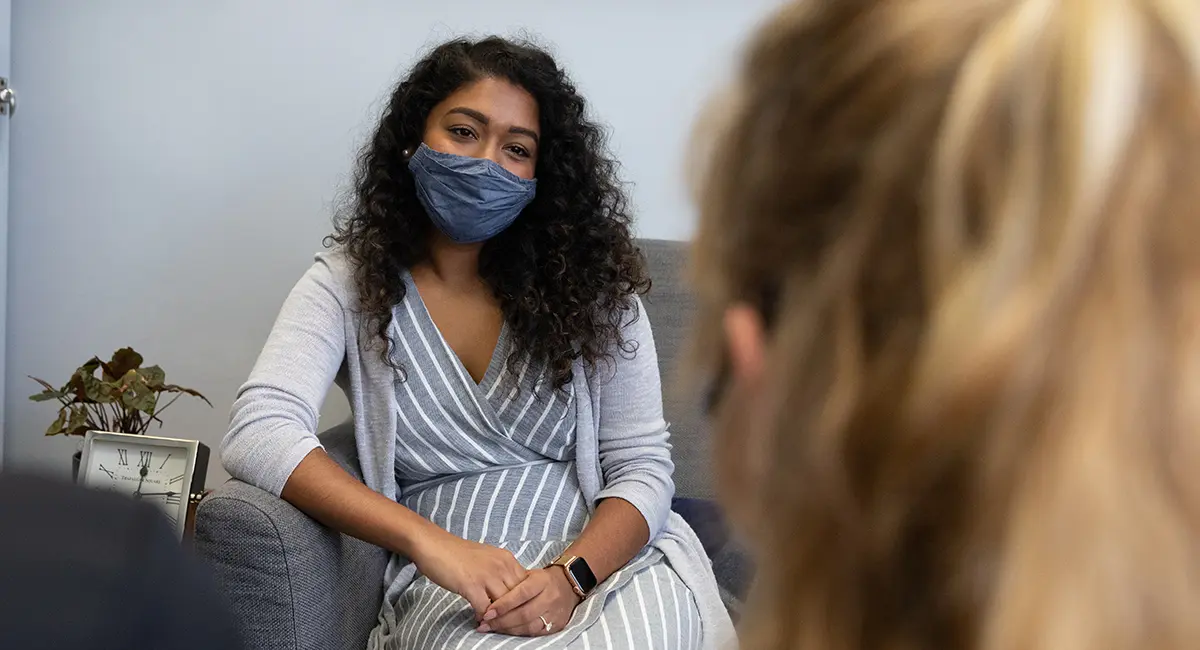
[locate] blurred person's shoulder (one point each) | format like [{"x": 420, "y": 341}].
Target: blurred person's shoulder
[
  {"x": 85, "y": 569},
  {"x": 46, "y": 508}
]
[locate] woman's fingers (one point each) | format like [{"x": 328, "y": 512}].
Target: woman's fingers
[
  {"x": 517, "y": 596},
  {"x": 515, "y": 575},
  {"x": 506, "y": 568},
  {"x": 496, "y": 589},
  {"x": 497, "y": 577},
  {"x": 479, "y": 600},
  {"x": 526, "y": 619}
]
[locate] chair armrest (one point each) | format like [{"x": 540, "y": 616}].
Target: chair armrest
[{"x": 291, "y": 582}]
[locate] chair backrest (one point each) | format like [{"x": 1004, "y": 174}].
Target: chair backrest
[{"x": 671, "y": 309}]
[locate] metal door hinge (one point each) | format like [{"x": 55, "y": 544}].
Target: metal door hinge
[{"x": 8, "y": 98}]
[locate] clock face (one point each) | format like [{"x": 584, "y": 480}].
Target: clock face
[{"x": 140, "y": 470}]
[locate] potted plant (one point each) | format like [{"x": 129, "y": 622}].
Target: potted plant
[{"x": 124, "y": 398}]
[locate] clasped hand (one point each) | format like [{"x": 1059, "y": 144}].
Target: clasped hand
[
  {"x": 544, "y": 594},
  {"x": 507, "y": 597}
]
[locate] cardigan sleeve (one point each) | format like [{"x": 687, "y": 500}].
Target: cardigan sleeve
[
  {"x": 273, "y": 423},
  {"x": 635, "y": 455}
]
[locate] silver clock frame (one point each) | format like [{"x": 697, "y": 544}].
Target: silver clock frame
[{"x": 191, "y": 447}]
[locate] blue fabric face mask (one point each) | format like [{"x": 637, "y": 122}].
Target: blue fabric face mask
[{"x": 469, "y": 199}]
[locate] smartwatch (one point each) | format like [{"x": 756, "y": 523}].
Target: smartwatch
[{"x": 579, "y": 574}]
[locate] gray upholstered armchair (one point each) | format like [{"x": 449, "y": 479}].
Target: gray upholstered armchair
[{"x": 295, "y": 584}]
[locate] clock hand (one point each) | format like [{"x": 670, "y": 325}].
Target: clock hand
[
  {"x": 137, "y": 494},
  {"x": 159, "y": 494}
]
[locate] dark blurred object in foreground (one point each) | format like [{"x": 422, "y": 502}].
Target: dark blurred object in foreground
[{"x": 82, "y": 569}]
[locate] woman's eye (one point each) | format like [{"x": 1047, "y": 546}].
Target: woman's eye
[
  {"x": 519, "y": 151},
  {"x": 462, "y": 131}
]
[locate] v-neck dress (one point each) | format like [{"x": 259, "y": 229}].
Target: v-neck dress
[{"x": 494, "y": 462}]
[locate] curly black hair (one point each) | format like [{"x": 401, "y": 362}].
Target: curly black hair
[{"x": 564, "y": 273}]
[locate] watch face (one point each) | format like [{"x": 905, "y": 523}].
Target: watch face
[
  {"x": 582, "y": 573},
  {"x": 141, "y": 470}
]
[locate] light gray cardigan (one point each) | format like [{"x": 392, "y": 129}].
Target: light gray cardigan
[{"x": 621, "y": 436}]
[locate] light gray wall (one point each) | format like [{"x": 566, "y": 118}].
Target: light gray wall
[{"x": 174, "y": 164}]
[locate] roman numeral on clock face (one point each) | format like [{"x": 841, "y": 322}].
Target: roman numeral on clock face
[
  {"x": 146, "y": 456},
  {"x": 123, "y": 457},
  {"x": 177, "y": 479}
]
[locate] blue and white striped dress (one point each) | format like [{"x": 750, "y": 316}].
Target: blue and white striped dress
[{"x": 494, "y": 463}]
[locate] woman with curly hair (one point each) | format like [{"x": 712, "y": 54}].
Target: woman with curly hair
[{"x": 480, "y": 308}]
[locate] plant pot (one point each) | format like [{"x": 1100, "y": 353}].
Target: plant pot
[{"x": 75, "y": 460}]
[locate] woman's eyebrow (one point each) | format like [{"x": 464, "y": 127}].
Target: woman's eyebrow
[
  {"x": 520, "y": 130},
  {"x": 471, "y": 113},
  {"x": 485, "y": 120}
]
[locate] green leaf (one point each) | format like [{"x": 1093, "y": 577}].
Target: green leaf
[
  {"x": 128, "y": 381},
  {"x": 98, "y": 391},
  {"x": 90, "y": 366},
  {"x": 123, "y": 361},
  {"x": 87, "y": 389},
  {"x": 43, "y": 383},
  {"x": 80, "y": 380},
  {"x": 136, "y": 393},
  {"x": 153, "y": 375},
  {"x": 49, "y": 393},
  {"x": 57, "y": 426},
  {"x": 172, "y": 388},
  {"x": 78, "y": 424},
  {"x": 77, "y": 389}
]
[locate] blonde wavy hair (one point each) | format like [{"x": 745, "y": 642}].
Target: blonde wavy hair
[{"x": 974, "y": 230}]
